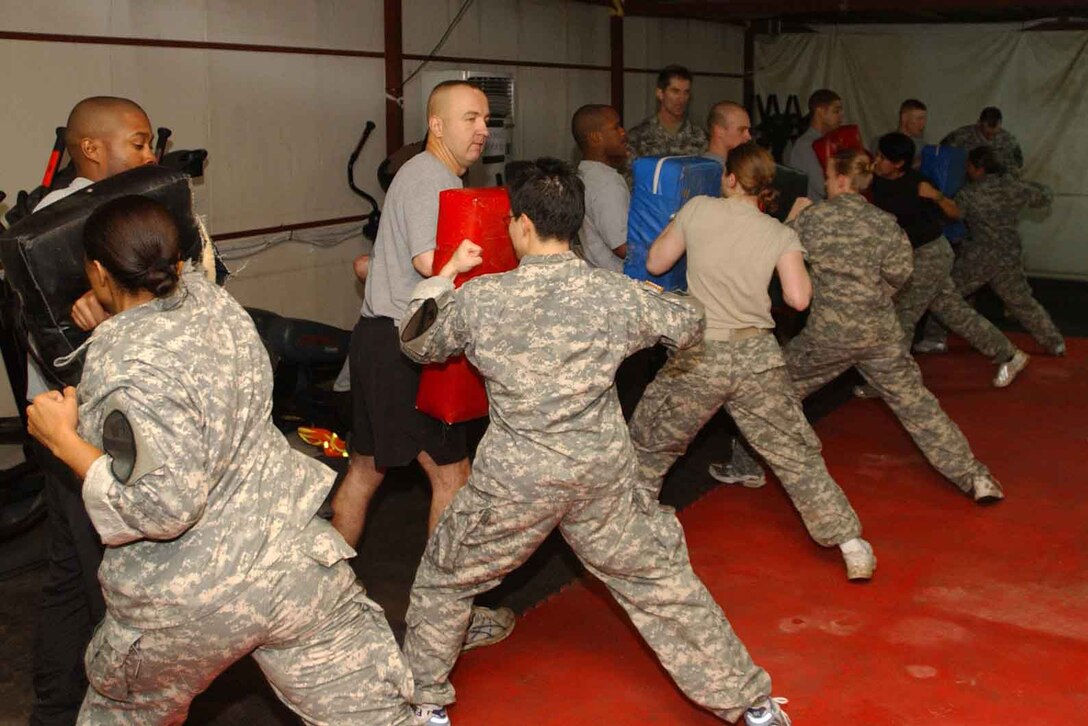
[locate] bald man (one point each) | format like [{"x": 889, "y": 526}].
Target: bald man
[
  {"x": 728, "y": 126},
  {"x": 105, "y": 135},
  {"x": 387, "y": 430},
  {"x": 603, "y": 142}
]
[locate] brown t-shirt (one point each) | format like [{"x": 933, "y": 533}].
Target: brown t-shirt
[{"x": 732, "y": 250}]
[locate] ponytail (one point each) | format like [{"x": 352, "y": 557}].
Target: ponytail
[{"x": 754, "y": 168}]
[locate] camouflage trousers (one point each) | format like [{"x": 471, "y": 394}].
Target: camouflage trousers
[
  {"x": 747, "y": 377},
  {"x": 931, "y": 287},
  {"x": 634, "y": 545},
  {"x": 891, "y": 370},
  {"x": 323, "y": 645},
  {"x": 1003, "y": 272}
]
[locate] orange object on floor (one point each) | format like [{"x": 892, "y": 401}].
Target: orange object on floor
[
  {"x": 976, "y": 615},
  {"x": 332, "y": 446}
]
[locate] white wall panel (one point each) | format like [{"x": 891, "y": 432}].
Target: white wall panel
[
  {"x": 702, "y": 47},
  {"x": 279, "y": 127},
  {"x": 1038, "y": 79}
]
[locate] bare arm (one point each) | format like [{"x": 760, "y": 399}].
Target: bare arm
[
  {"x": 87, "y": 312},
  {"x": 666, "y": 250},
  {"x": 361, "y": 265},
  {"x": 948, "y": 206},
  {"x": 424, "y": 263},
  {"x": 796, "y": 284}
]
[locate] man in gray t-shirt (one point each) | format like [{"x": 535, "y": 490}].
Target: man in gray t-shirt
[
  {"x": 406, "y": 232},
  {"x": 387, "y": 430},
  {"x": 825, "y": 114},
  {"x": 599, "y": 134}
]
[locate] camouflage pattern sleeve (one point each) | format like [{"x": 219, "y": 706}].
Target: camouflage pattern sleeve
[
  {"x": 898, "y": 263},
  {"x": 1035, "y": 195},
  {"x": 952, "y": 138},
  {"x": 676, "y": 321},
  {"x": 162, "y": 489},
  {"x": 433, "y": 327},
  {"x": 1015, "y": 153}
]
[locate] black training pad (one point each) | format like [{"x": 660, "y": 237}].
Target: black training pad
[
  {"x": 43, "y": 256},
  {"x": 791, "y": 185}
]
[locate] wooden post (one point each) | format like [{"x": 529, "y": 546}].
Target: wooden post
[
  {"x": 615, "y": 27},
  {"x": 394, "y": 74},
  {"x": 749, "y": 68}
]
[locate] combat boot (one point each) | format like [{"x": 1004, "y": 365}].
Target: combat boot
[{"x": 487, "y": 627}]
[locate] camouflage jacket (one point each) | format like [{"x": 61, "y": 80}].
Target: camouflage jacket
[
  {"x": 650, "y": 138},
  {"x": 1006, "y": 147},
  {"x": 215, "y": 490},
  {"x": 859, "y": 258},
  {"x": 547, "y": 338},
  {"x": 991, "y": 208}
]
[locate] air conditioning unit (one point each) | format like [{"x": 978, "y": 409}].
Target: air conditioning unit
[{"x": 499, "y": 89}]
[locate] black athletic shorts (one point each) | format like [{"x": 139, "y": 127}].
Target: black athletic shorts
[{"x": 385, "y": 422}]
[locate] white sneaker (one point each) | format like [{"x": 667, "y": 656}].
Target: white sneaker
[
  {"x": 767, "y": 712},
  {"x": 987, "y": 490},
  {"x": 859, "y": 558},
  {"x": 428, "y": 714},
  {"x": 1007, "y": 371}
]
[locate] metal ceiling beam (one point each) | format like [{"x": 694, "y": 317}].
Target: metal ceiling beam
[{"x": 740, "y": 10}]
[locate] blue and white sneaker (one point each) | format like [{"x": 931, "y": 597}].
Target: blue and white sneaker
[
  {"x": 767, "y": 712},
  {"x": 428, "y": 714}
]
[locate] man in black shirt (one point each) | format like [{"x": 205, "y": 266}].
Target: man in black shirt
[{"x": 921, "y": 209}]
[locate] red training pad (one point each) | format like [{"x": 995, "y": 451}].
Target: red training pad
[
  {"x": 844, "y": 137},
  {"x": 454, "y": 391}
]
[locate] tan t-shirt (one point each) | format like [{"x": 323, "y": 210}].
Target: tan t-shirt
[{"x": 732, "y": 250}]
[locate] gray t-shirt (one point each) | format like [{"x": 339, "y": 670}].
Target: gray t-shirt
[
  {"x": 605, "y": 225},
  {"x": 803, "y": 157},
  {"x": 407, "y": 229}
]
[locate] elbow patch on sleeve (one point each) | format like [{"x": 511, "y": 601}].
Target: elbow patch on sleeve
[
  {"x": 421, "y": 321},
  {"x": 131, "y": 457}
]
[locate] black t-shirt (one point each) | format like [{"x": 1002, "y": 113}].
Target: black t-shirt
[{"x": 920, "y": 218}]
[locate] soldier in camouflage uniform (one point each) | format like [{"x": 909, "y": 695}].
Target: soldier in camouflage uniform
[
  {"x": 669, "y": 131},
  {"x": 920, "y": 209},
  {"x": 991, "y": 206},
  {"x": 213, "y": 547},
  {"x": 988, "y": 132},
  {"x": 859, "y": 257},
  {"x": 733, "y": 250},
  {"x": 547, "y": 338}
]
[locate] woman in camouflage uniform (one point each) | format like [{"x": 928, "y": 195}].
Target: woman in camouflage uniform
[
  {"x": 733, "y": 250},
  {"x": 213, "y": 549},
  {"x": 859, "y": 259}
]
